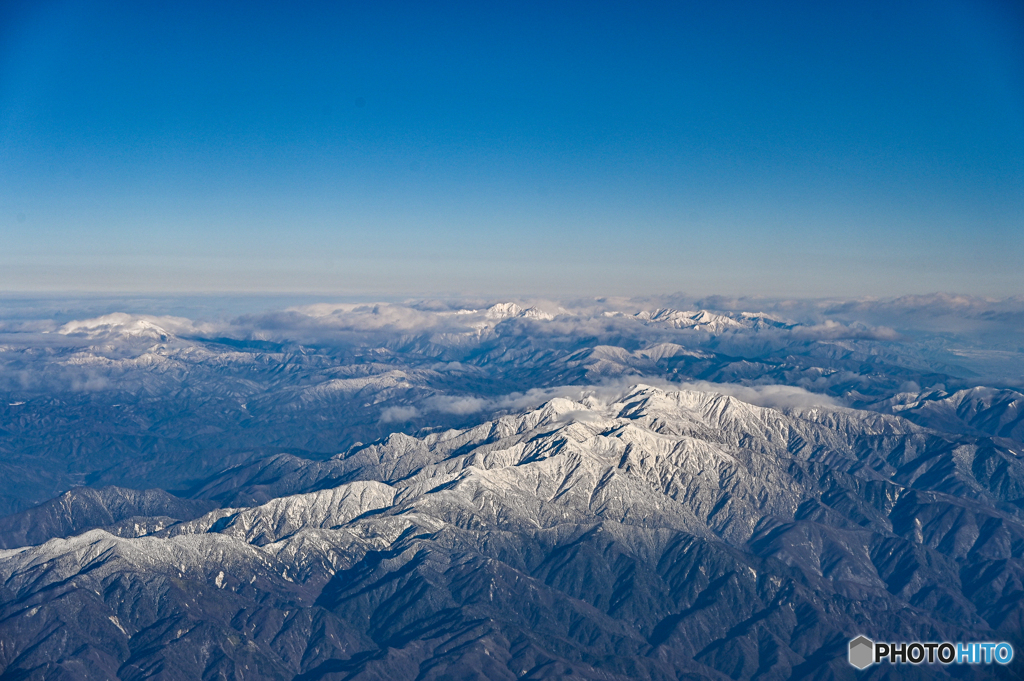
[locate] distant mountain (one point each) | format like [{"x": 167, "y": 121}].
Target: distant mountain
[{"x": 703, "y": 320}]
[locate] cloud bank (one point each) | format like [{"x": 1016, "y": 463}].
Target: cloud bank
[{"x": 781, "y": 397}]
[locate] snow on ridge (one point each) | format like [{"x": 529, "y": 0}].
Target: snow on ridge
[
  {"x": 281, "y": 517},
  {"x": 714, "y": 322}
]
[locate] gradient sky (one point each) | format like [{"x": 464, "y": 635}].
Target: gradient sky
[{"x": 794, "y": 149}]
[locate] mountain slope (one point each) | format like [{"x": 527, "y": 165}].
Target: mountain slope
[{"x": 85, "y": 508}]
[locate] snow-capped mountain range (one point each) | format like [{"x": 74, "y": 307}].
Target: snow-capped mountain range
[{"x": 504, "y": 491}]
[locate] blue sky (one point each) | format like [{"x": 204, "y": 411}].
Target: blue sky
[{"x": 790, "y": 149}]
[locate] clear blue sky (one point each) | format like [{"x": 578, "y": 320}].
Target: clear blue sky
[{"x": 796, "y": 149}]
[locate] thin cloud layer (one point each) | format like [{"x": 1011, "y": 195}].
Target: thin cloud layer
[
  {"x": 739, "y": 318},
  {"x": 781, "y": 397},
  {"x": 347, "y": 321}
]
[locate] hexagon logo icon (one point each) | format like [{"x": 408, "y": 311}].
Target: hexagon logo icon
[{"x": 862, "y": 652}]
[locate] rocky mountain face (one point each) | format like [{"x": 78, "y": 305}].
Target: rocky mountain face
[
  {"x": 516, "y": 493},
  {"x": 113, "y": 508}
]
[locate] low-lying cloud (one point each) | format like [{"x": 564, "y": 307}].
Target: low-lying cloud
[
  {"x": 383, "y": 323},
  {"x": 782, "y": 397}
]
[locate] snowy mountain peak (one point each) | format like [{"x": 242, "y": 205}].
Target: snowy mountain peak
[
  {"x": 121, "y": 325},
  {"x": 502, "y": 311},
  {"x": 700, "y": 320},
  {"x": 712, "y": 322}
]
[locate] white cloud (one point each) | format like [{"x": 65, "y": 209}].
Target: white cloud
[
  {"x": 610, "y": 391},
  {"x": 774, "y": 396},
  {"x": 459, "y": 405},
  {"x": 399, "y": 414},
  {"x": 833, "y": 330}
]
